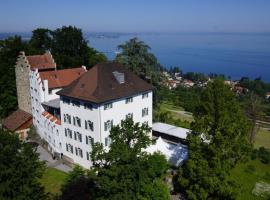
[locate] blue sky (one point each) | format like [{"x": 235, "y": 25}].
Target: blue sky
[{"x": 137, "y": 15}]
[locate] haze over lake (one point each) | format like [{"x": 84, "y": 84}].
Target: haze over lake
[{"x": 232, "y": 54}]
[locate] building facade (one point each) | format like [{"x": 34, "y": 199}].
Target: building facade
[{"x": 73, "y": 108}]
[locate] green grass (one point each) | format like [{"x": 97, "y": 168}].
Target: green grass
[
  {"x": 246, "y": 180},
  {"x": 262, "y": 139},
  {"x": 177, "y": 112},
  {"x": 52, "y": 180}
]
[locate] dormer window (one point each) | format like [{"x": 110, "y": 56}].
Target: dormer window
[
  {"x": 107, "y": 106},
  {"x": 76, "y": 103},
  {"x": 129, "y": 100},
  {"x": 88, "y": 106},
  {"x": 66, "y": 101},
  {"x": 120, "y": 77},
  {"x": 145, "y": 95}
]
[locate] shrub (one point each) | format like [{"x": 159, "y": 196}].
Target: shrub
[{"x": 264, "y": 155}]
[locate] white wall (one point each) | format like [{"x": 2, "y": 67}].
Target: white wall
[
  {"x": 47, "y": 130},
  {"x": 98, "y": 116}
]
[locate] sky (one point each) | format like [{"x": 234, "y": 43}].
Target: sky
[{"x": 137, "y": 15}]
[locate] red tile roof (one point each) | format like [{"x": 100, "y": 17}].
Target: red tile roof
[
  {"x": 44, "y": 61},
  {"x": 14, "y": 121},
  {"x": 51, "y": 118},
  {"x": 61, "y": 78},
  {"x": 100, "y": 84}
]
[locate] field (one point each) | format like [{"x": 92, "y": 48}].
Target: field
[
  {"x": 262, "y": 138},
  {"x": 52, "y": 180},
  {"x": 247, "y": 175}
]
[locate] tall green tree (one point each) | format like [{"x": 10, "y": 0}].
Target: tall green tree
[
  {"x": 125, "y": 171},
  {"x": 40, "y": 41},
  {"x": 20, "y": 170},
  {"x": 254, "y": 109},
  {"x": 220, "y": 119},
  {"x": 9, "y": 50},
  {"x": 136, "y": 57},
  {"x": 77, "y": 186},
  {"x": 69, "y": 47}
]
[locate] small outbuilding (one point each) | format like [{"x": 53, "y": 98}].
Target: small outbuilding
[{"x": 18, "y": 122}]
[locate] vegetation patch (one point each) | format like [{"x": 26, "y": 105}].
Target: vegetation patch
[
  {"x": 262, "y": 139},
  {"x": 52, "y": 180},
  {"x": 247, "y": 175}
]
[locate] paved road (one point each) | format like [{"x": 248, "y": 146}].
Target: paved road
[{"x": 57, "y": 164}]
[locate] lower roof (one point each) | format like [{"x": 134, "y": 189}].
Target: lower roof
[
  {"x": 171, "y": 130},
  {"x": 16, "y": 119}
]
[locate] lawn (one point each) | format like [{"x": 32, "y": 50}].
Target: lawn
[
  {"x": 262, "y": 138},
  {"x": 52, "y": 180},
  {"x": 177, "y": 112},
  {"x": 246, "y": 178}
]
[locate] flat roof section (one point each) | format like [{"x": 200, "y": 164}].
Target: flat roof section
[
  {"x": 171, "y": 130},
  {"x": 55, "y": 103}
]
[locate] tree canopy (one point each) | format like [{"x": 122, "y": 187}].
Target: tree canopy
[
  {"x": 122, "y": 171},
  {"x": 9, "y": 50},
  {"x": 20, "y": 170},
  {"x": 136, "y": 57},
  {"x": 220, "y": 119}
]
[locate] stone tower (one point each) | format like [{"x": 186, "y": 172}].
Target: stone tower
[{"x": 22, "y": 71}]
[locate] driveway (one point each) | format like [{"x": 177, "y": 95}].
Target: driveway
[{"x": 50, "y": 162}]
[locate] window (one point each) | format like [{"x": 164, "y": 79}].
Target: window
[
  {"x": 108, "y": 125},
  {"x": 66, "y": 101},
  {"x": 107, "y": 106},
  {"x": 107, "y": 141},
  {"x": 145, "y": 95},
  {"x": 88, "y": 106},
  {"x": 76, "y": 121},
  {"x": 77, "y": 136},
  {"x": 76, "y": 103},
  {"x": 88, "y": 155},
  {"x": 89, "y": 140},
  {"x": 67, "y": 118},
  {"x": 78, "y": 151},
  {"x": 68, "y": 133},
  {"x": 144, "y": 112},
  {"x": 69, "y": 148},
  {"x": 129, "y": 115},
  {"x": 129, "y": 100},
  {"x": 89, "y": 125}
]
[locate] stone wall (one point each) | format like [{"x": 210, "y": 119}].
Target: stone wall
[{"x": 22, "y": 70}]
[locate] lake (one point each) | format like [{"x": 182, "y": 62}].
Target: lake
[{"x": 234, "y": 55}]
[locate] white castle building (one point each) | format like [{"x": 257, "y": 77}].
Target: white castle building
[{"x": 73, "y": 107}]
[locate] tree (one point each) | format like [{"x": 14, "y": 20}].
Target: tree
[
  {"x": 9, "y": 50},
  {"x": 20, "y": 169},
  {"x": 40, "y": 41},
  {"x": 219, "y": 119},
  {"x": 254, "y": 110},
  {"x": 77, "y": 186},
  {"x": 69, "y": 47},
  {"x": 125, "y": 171},
  {"x": 136, "y": 57}
]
